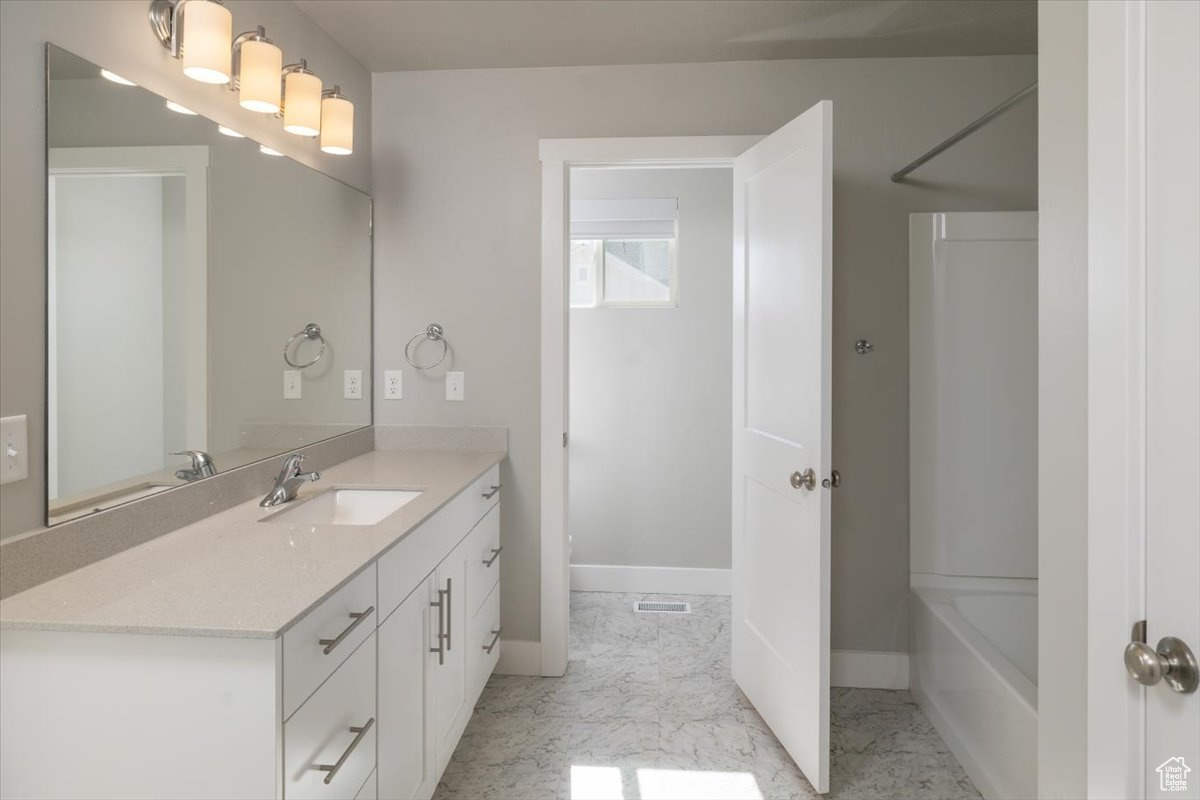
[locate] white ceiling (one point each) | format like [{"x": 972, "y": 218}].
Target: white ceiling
[{"x": 389, "y": 35}]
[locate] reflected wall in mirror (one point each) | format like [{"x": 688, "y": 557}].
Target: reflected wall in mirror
[{"x": 180, "y": 260}]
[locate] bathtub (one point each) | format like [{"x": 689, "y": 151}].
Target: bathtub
[{"x": 973, "y": 651}]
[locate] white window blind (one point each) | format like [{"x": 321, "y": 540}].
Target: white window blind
[{"x": 633, "y": 218}]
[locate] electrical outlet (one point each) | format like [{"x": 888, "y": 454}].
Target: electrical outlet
[
  {"x": 393, "y": 384},
  {"x": 352, "y": 384},
  {"x": 14, "y": 452},
  {"x": 454, "y": 386},
  {"x": 291, "y": 384}
]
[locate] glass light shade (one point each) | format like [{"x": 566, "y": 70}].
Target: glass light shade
[
  {"x": 258, "y": 76},
  {"x": 207, "y": 41},
  {"x": 337, "y": 126},
  {"x": 302, "y": 103}
]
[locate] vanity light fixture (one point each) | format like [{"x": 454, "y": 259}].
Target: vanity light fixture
[
  {"x": 337, "y": 123},
  {"x": 301, "y": 100},
  {"x": 230, "y": 132},
  {"x": 257, "y": 63},
  {"x": 171, "y": 104},
  {"x": 115, "y": 78},
  {"x": 199, "y": 33},
  {"x": 268, "y": 151}
]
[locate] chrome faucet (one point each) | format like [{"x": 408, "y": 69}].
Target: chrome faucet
[
  {"x": 202, "y": 466},
  {"x": 290, "y": 479}
]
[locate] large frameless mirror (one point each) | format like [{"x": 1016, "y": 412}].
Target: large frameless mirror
[{"x": 208, "y": 303}]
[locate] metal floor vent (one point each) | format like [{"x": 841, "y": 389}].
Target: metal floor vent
[{"x": 651, "y": 607}]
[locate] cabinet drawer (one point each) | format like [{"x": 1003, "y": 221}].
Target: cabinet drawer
[
  {"x": 482, "y": 550},
  {"x": 340, "y": 624},
  {"x": 320, "y": 734},
  {"x": 483, "y": 632},
  {"x": 484, "y": 494}
]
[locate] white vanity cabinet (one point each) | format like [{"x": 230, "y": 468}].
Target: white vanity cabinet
[{"x": 363, "y": 698}]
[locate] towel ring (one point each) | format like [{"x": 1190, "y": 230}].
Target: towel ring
[
  {"x": 434, "y": 333},
  {"x": 311, "y": 332}
]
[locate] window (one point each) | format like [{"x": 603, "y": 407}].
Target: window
[
  {"x": 622, "y": 272},
  {"x": 623, "y": 253}
]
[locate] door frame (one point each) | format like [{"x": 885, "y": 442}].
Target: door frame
[
  {"x": 557, "y": 157},
  {"x": 1116, "y": 414},
  {"x": 191, "y": 163}
]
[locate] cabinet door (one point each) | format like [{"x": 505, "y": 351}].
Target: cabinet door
[
  {"x": 406, "y": 767},
  {"x": 451, "y": 709}
]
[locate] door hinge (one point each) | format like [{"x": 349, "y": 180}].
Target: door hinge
[{"x": 564, "y": 439}]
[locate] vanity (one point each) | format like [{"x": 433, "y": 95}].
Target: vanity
[
  {"x": 261, "y": 654},
  {"x": 209, "y": 312}
]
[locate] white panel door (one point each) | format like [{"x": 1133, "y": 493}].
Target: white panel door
[
  {"x": 782, "y": 233},
  {"x": 407, "y": 768},
  {"x": 1172, "y": 383}
]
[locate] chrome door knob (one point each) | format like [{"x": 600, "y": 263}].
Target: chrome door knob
[
  {"x": 1172, "y": 661},
  {"x": 806, "y": 479}
]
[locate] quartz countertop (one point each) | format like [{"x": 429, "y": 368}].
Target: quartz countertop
[{"x": 230, "y": 574}]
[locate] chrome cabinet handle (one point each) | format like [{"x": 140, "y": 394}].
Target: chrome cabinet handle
[
  {"x": 440, "y": 605},
  {"x": 359, "y": 733},
  {"x": 358, "y": 617},
  {"x": 488, "y": 648},
  {"x": 487, "y": 562},
  {"x": 492, "y": 493},
  {"x": 449, "y": 615}
]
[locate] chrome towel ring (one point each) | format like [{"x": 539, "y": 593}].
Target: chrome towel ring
[
  {"x": 434, "y": 333},
  {"x": 311, "y": 332}
]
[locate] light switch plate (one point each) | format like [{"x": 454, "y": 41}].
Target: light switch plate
[
  {"x": 393, "y": 384},
  {"x": 454, "y": 386},
  {"x": 291, "y": 384},
  {"x": 14, "y": 450},
  {"x": 352, "y": 384}
]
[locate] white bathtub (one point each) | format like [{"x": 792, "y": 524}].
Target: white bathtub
[{"x": 973, "y": 646}]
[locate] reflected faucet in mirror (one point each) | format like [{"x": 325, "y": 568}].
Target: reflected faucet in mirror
[
  {"x": 202, "y": 466},
  {"x": 289, "y": 481}
]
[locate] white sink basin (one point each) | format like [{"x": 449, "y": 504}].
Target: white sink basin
[{"x": 345, "y": 507}]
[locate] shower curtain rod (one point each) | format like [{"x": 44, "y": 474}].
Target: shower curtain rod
[{"x": 899, "y": 176}]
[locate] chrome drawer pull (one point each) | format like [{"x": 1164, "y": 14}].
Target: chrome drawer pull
[
  {"x": 358, "y": 617},
  {"x": 487, "y": 562},
  {"x": 440, "y": 605},
  {"x": 359, "y": 733},
  {"x": 492, "y": 493},
  {"x": 488, "y": 648},
  {"x": 449, "y": 616}
]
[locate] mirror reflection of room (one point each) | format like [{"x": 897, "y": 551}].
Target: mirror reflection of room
[{"x": 182, "y": 258}]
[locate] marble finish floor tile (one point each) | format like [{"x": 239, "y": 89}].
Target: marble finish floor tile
[{"x": 648, "y": 710}]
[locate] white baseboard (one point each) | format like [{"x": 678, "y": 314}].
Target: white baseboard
[
  {"x": 519, "y": 657},
  {"x": 868, "y": 670},
  {"x": 650, "y": 580}
]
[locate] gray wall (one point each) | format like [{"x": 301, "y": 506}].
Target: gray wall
[
  {"x": 457, "y": 241},
  {"x": 116, "y": 35},
  {"x": 1062, "y": 397},
  {"x": 651, "y": 393}
]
